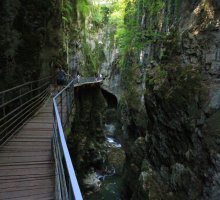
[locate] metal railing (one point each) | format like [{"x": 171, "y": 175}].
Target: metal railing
[
  {"x": 62, "y": 104},
  {"x": 18, "y": 104}
]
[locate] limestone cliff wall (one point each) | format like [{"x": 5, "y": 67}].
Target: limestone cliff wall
[
  {"x": 169, "y": 101},
  {"x": 172, "y": 139},
  {"x": 30, "y": 40},
  {"x": 86, "y": 140}
]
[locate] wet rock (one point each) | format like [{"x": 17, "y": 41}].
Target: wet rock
[
  {"x": 144, "y": 180},
  {"x": 138, "y": 151},
  {"x": 91, "y": 182},
  {"x": 218, "y": 141},
  {"x": 87, "y": 141},
  {"x": 215, "y": 188},
  {"x": 109, "y": 129},
  {"x": 189, "y": 155},
  {"x": 134, "y": 168},
  {"x": 111, "y": 143},
  {"x": 116, "y": 159},
  {"x": 146, "y": 137},
  {"x": 214, "y": 99},
  {"x": 181, "y": 176},
  {"x": 201, "y": 120},
  {"x": 199, "y": 132},
  {"x": 150, "y": 185}
]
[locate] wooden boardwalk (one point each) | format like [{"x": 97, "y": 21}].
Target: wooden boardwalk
[{"x": 27, "y": 170}]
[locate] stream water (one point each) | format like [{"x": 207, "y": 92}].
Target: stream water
[
  {"x": 110, "y": 189},
  {"x": 111, "y": 183}
]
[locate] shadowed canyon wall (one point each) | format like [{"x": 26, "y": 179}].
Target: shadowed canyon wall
[
  {"x": 30, "y": 40},
  {"x": 164, "y": 73},
  {"x": 167, "y": 86},
  {"x": 176, "y": 155}
]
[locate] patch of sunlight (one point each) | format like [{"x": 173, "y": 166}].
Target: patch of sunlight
[
  {"x": 161, "y": 19},
  {"x": 218, "y": 23},
  {"x": 209, "y": 10},
  {"x": 205, "y": 14},
  {"x": 103, "y": 2},
  {"x": 196, "y": 32},
  {"x": 142, "y": 56},
  {"x": 197, "y": 9},
  {"x": 207, "y": 7}
]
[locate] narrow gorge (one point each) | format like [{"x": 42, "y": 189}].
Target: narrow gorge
[{"x": 151, "y": 129}]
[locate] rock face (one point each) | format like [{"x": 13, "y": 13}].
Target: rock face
[
  {"x": 87, "y": 139},
  {"x": 91, "y": 182},
  {"x": 172, "y": 150},
  {"x": 116, "y": 159},
  {"x": 29, "y": 40},
  {"x": 169, "y": 101}
]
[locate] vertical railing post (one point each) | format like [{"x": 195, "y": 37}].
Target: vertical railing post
[
  {"x": 37, "y": 86},
  {"x": 66, "y": 108},
  {"x": 68, "y": 105},
  {"x": 61, "y": 108},
  {"x": 31, "y": 88},
  {"x": 20, "y": 96},
  {"x": 3, "y": 101},
  {"x": 66, "y": 188}
]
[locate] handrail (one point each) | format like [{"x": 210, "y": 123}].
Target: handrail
[
  {"x": 24, "y": 117},
  {"x": 23, "y": 112},
  {"x": 62, "y": 112},
  {"x": 18, "y": 104},
  {"x": 22, "y": 95},
  {"x": 28, "y": 103},
  {"x": 24, "y": 84}
]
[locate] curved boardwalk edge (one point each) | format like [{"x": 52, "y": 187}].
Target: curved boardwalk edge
[{"x": 27, "y": 167}]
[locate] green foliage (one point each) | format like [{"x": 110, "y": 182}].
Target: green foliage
[
  {"x": 90, "y": 13},
  {"x": 130, "y": 77},
  {"x": 105, "y": 13},
  {"x": 91, "y": 18},
  {"x": 159, "y": 79},
  {"x": 136, "y": 24},
  {"x": 92, "y": 58},
  {"x": 67, "y": 11},
  {"x": 96, "y": 16},
  {"x": 170, "y": 43},
  {"x": 126, "y": 16},
  {"x": 83, "y": 9},
  {"x": 153, "y": 6},
  {"x": 26, "y": 38}
]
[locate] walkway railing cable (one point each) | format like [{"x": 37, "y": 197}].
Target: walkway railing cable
[
  {"x": 63, "y": 102},
  {"x": 18, "y": 104}
]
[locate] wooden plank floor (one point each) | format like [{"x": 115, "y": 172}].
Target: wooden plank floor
[{"x": 27, "y": 170}]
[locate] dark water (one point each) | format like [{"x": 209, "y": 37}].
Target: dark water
[
  {"x": 110, "y": 189},
  {"x": 111, "y": 185}
]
